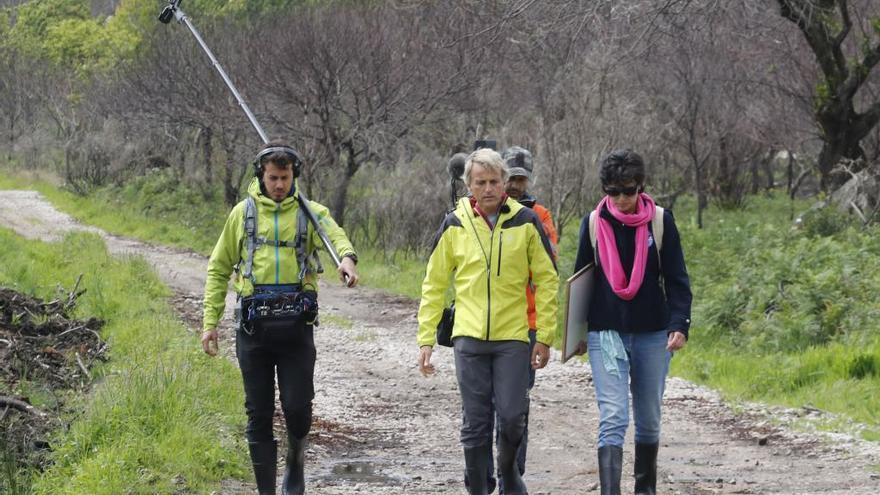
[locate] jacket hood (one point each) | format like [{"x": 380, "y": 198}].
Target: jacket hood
[{"x": 464, "y": 208}]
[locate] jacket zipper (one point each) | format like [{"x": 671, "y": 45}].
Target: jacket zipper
[
  {"x": 500, "y": 244},
  {"x": 489, "y": 284},
  {"x": 277, "y": 254}
]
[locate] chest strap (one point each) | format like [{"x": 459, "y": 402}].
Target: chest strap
[{"x": 307, "y": 260}]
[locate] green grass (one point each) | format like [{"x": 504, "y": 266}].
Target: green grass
[
  {"x": 401, "y": 275},
  {"x": 785, "y": 315},
  {"x": 162, "y": 417}
]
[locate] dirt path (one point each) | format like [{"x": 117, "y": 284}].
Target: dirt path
[{"x": 381, "y": 428}]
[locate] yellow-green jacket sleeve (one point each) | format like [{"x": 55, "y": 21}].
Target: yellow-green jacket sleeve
[
  {"x": 440, "y": 265},
  {"x": 224, "y": 257}
]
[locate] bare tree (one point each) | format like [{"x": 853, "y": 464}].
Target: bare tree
[
  {"x": 350, "y": 82},
  {"x": 173, "y": 86},
  {"x": 846, "y": 43},
  {"x": 17, "y": 102}
]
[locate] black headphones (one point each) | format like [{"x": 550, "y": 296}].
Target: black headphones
[{"x": 287, "y": 150}]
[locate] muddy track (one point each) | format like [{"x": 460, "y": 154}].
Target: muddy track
[{"x": 380, "y": 428}]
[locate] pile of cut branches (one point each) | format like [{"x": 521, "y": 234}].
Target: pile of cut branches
[{"x": 46, "y": 352}]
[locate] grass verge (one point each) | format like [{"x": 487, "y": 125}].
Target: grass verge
[{"x": 161, "y": 418}]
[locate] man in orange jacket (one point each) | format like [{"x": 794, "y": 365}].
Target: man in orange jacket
[{"x": 519, "y": 162}]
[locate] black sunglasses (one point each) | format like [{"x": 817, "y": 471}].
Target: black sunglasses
[{"x": 615, "y": 191}]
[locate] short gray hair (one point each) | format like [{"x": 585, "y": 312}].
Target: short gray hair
[{"x": 488, "y": 159}]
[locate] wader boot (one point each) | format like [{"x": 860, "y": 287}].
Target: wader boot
[
  {"x": 645, "y": 468},
  {"x": 610, "y": 466},
  {"x": 294, "y": 477},
  {"x": 507, "y": 468},
  {"x": 476, "y": 466},
  {"x": 491, "y": 483},
  {"x": 264, "y": 456}
]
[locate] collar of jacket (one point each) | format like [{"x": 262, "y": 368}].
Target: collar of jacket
[
  {"x": 466, "y": 207},
  {"x": 505, "y": 208},
  {"x": 528, "y": 200},
  {"x": 261, "y": 199}
]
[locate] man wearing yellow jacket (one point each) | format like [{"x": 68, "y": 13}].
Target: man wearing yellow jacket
[
  {"x": 271, "y": 246},
  {"x": 488, "y": 246}
]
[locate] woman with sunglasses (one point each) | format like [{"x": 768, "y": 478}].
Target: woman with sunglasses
[{"x": 639, "y": 315}]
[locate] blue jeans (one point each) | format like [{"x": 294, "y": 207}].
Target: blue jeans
[{"x": 642, "y": 372}]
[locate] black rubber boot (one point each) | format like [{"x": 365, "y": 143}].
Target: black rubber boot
[
  {"x": 645, "y": 468},
  {"x": 491, "y": 483},
  {"x": 264, "y": 456},
  {"x": 507, "y": 469},
  {"x": 476, "y": 468},
  {"x": 610, "y": 466},
  {"x": 294, "y": 476}
]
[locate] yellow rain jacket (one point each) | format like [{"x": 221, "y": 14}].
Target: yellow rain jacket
[
  {"x": 489, "y": 269},
  {"x": 272, "y": 264}
]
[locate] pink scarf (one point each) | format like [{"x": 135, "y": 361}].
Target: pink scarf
[{"x": 607, "y": 245}]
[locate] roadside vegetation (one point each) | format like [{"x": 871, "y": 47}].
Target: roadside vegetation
[
  {"x": 160, "y": 417},
  {"x": 784, "y": 312}
]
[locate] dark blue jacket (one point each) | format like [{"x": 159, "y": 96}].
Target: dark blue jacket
[{"x": 650, "y": 310}]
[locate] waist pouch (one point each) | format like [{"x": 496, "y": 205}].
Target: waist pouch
[{"x": 277, "y": 308}]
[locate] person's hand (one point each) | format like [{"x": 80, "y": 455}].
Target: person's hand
[
  {"x": 675, "y": 341},
  {"x": 581, "y": 348},
  {"x": 347, "y": 272},
  {"x": 209, "y": 342},
  {"x": 425, "y": 366},
  {"x": 540, "y": 356}
]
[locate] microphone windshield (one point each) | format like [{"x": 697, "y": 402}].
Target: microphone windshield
[{"x": 456, "y": 165}]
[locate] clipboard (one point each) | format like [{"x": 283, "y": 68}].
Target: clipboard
[{"x": 578, "y": 294}]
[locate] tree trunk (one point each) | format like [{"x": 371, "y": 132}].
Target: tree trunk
[
  {"x": 755, "y": 170},
  {"x": 230, "y": 189},
  {"x": 767, "y": 164},
  {"x": 11, "y": 137},
  {"x": 208, "y": 156},
  {"x": 340, "y": 200},
  {"x": 702, "y": 201},
  {"x": 840, "y": 143}
]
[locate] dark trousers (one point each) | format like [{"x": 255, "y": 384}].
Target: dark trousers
[
  {"x": 492, "y": 374},
  {"x": 290, "y": 352},
  {"x": 523, "y": 447},
  {"x": 521, "y": 452}
]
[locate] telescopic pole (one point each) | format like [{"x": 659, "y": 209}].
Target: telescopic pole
[{"x": 172, "y": 10}]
